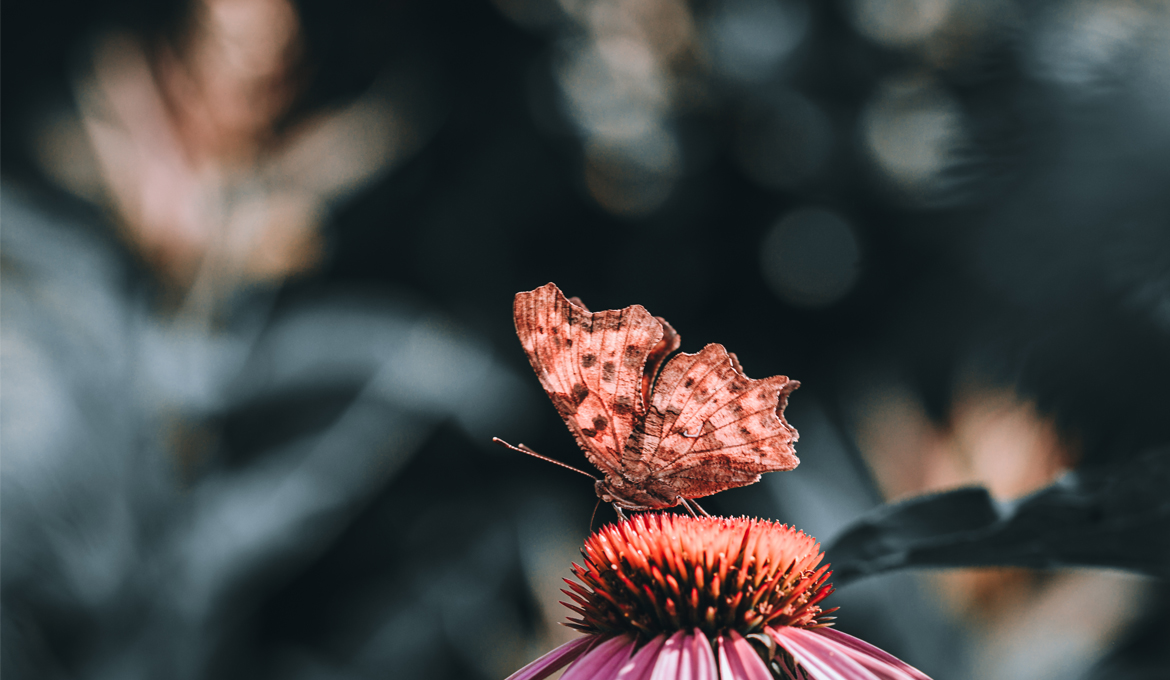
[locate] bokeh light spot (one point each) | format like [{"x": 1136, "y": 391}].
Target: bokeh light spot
[
  {"x": 1081, "y": 45},
  {"x": 613, "y": 88},
  {"x": 912, "y": 129},
  {"x": 811, "y": 258},
  {"x": 899, "y": 22},
  {"x": 633, "y": 178},
  {"x": 750, "y": 38}
]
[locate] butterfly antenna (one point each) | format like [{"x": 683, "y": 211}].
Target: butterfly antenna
[
  {"x": 594, "y": 515},
  {"x": 524, "y": 449}
]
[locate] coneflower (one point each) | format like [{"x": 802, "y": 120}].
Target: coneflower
[{"x": 670, "y": 597}]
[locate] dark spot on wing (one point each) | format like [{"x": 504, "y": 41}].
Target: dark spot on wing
[
  {"x": 690, "y": 382},
  {"x": 588, "y": 432},
  {"x": 608, "y": 370},
  {"x": 564, "y": 404},
  {"x": 568, "y": 342},
  {"x": 622, "y": 405},
  {"x": 744, "y": 431},
  {"x": 736, "y": 386},
  {"x": 579, "y": 394},
  {"x": 599, "y": 423},
  {"x": 632, "y": 358},
  {"x": 588, "y": 360}
]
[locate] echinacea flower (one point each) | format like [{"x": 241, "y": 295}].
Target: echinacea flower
[{"x": 668, "y": 597}]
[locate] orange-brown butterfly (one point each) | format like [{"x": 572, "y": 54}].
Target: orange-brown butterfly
[{"x": 699, "y": 427}]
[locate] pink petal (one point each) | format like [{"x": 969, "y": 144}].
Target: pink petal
[
  {"x": 838, "y": 656},
  {"x": 642, "y": 664},
  {"x": 697, "y": 661},
  {"x": 553, "y": 661},
  {"x": 669, "y": 659},
  {"x": 870, "y": 655},
  {"x": 820, "y": 659},
  {"x": 603, "y": 661},
  {"x": 738, "y": 660}
]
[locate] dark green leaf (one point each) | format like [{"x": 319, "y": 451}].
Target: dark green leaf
[{"x": 1117, "y": 517}]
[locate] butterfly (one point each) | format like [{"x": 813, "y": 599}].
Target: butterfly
[{"x": 697, "y": 427}]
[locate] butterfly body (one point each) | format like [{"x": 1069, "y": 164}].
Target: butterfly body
[{"x": 694, "y": 428}]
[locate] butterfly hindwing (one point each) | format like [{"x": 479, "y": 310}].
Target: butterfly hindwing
[
  {"x": 709, "y": 477},
  {"x": 719, "y": 428}
]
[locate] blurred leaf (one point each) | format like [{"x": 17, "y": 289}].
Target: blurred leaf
[{"x": 1117, "y": 518}]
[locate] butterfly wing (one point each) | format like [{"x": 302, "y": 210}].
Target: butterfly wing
[
  {"x": 711, "y": 428},
  {"x": 592, "y": 365}
]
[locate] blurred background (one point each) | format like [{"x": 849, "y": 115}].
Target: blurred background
[{"x": 258, "y": 259}]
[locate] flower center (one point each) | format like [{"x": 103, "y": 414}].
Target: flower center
[{"x": 658, "y": 573}]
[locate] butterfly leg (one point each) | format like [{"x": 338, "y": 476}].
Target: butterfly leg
[
  {"x": 687, "y": 505},
  {"x": 699, "y": 507},
  {"x": 621, "y": 515}
]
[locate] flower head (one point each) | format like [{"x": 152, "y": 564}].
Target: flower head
[
  {"x": 670, "y": 596},
  {"x": 660, "y": 573}
]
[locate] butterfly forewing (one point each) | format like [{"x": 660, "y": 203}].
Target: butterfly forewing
[{"x": 590, "y": 364}]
